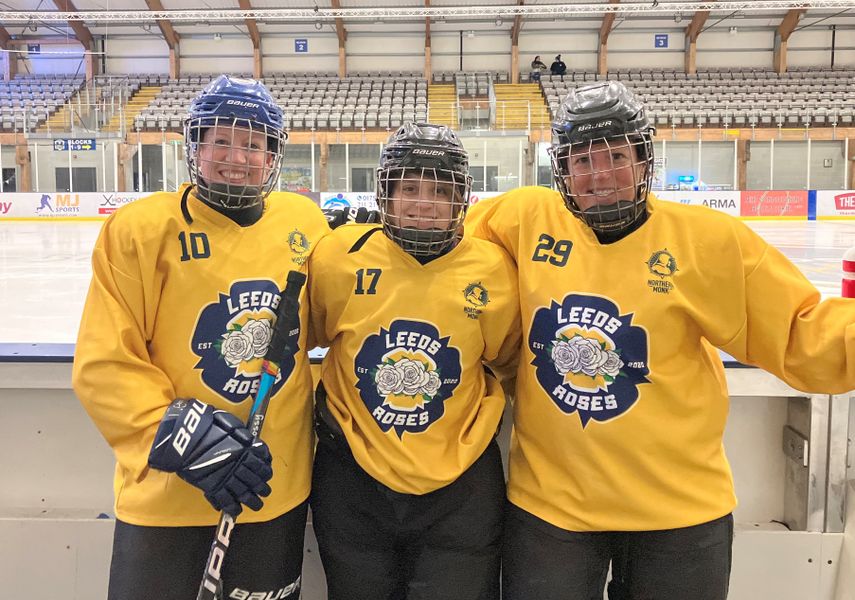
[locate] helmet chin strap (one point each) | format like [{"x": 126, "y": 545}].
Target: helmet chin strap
[
  {"x": 609, "y": 213},
  {"x": 223, "y": 195},
  {"x": 414, "y": 240}
]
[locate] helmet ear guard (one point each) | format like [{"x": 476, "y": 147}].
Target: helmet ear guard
[
  {"x": 423, "y": 172},
  {"x": 594, "y": 121},
  {"x": 231, "y": 104}
]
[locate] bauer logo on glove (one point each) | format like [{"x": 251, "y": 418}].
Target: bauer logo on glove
[{"x": 213, "y": 450}]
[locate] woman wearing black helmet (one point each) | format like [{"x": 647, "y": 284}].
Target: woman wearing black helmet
[
  {"x": 621, "y": 401},
  {"x": 408, "y": 488}
]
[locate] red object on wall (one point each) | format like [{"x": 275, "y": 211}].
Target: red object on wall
[{"x": 849, "y": 273}]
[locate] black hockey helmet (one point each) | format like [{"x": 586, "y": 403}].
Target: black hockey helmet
[
  {"x": 433, "y": 158},
  {"x": 595, "y": 119}
]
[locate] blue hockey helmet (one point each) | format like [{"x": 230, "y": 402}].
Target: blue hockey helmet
[{"x": 244, "y": 115}]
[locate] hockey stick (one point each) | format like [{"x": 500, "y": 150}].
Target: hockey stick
[{"x": 286, "y": 332}]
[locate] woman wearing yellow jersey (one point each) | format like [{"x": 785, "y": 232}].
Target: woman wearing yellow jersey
[
  {"x": 184, "y": 290},
  {"x": 621, "y": 400},
  {"x": 408, "y": 488}
]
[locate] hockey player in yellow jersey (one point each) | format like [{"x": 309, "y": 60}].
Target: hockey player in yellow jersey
[
  {"x": 621, "y": 400},
  {"x": 184, "y": 291},
  {"x": 408, "y": 489}
]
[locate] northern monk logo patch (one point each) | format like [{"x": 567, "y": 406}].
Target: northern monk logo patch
[{"x": 588, "y": 357}]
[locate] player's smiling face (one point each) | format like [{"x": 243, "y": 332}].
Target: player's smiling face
[
  {"x": 421, "y": 202},
  {"x": 603, "y": 173},
  {"x": 234, "y": 155}
]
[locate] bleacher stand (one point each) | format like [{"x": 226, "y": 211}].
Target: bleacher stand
[
  {"x": 802, "y": 97},
  {"x": 370, "y": 100},
  {"x": 28, "y": 100}
]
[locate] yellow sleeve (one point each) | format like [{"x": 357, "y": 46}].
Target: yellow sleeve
[
  {"x": 496, "y": 220},
  {"x": 317, "y": 228},
  {"x": 318, "y": 293},
  {"x": 787, "y": 330},
  {"x": 503, "y": 329},
  {"x": 123, "y": 392}
]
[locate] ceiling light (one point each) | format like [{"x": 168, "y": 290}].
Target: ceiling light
[
  {"x": 678, "y": 17},
  {"x": 319, "y": 25},
  {"x": 470, "y": 34},
  {"x": 499, "y": 22},
  {"x": 218, "y": 37},
  {"x": 733, "y": 30}
]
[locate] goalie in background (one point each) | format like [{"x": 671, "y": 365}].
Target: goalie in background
[
  {"x": 408, "y": 487},
  {"x": 621, "y": 398},
  {"x": 179, "y": 314}
]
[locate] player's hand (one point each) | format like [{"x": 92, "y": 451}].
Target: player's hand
[
  {"x": 213, "y": 450},
  {"x": 337, "y": 217}
]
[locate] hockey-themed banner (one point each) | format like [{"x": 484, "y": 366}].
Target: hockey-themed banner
[
  {"x": 348, "y": 200},
  {"x": 367, "y": 199},
  {"x": 835, "y": 204},
  {"x": 727, "y": 202},
  {"x": 752, "y": 204},
  {"x": 774, "y": 204},
  {"x": 64, "y": 205}
]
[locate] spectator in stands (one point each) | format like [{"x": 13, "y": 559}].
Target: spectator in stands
[
  {"x": 537, "y": 66},
  {"x": 558, "y": 67},
  {"x": 621, "y": 398},
  {"x": 184, "y": 290}
]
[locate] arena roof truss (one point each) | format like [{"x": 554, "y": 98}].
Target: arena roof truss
[
  {"x": 81, "y": 32},
  {"x": 376, "y": 13}
]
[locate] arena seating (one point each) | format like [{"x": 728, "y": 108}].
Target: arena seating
[
  {"x": 814, "y": 97},
  {"x": 28, "y": 100},
  {"x": 320, "y": 100},
  {"x": 729, "y": 97}
]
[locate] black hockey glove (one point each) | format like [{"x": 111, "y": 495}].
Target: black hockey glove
[
  {"x": 213, "y": 450},
  {"x": 339, "y": 216}
]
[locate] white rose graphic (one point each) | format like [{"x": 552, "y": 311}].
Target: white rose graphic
[
  {"x": 591, "y": 354},
  {"x": 613, "y": 364},
  {"x": 261, "y": 332},
  {"x": 566, "y": 358},
  {"x": 389, "y": 380},
  {"x": 414, "y": 375},
  {"x": 432, "y": 386},
  {"x": 237, "y": 347}
]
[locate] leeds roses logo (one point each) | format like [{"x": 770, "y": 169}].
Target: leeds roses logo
[
  {"x": 243, "y": 342},
  {"x": 231, "y": 337},
  {"x": 406, "y": 373},
  {"x": 588, "y": 357}
]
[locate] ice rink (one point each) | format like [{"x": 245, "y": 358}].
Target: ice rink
[{"x": 45, "y": 270}]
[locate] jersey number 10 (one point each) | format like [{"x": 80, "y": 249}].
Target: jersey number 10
[{"x": 198, "y": 246}]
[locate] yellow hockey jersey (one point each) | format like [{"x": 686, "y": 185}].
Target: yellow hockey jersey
[
  {"x": 180, "y": 310},
  {"x": 621, "y": 397},
  {"x": 404, "y": 375}
]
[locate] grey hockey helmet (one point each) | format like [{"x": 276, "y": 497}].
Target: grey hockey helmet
[
  {"x": 423, "y": 187},
  {"x": 602, "y": 155}
]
